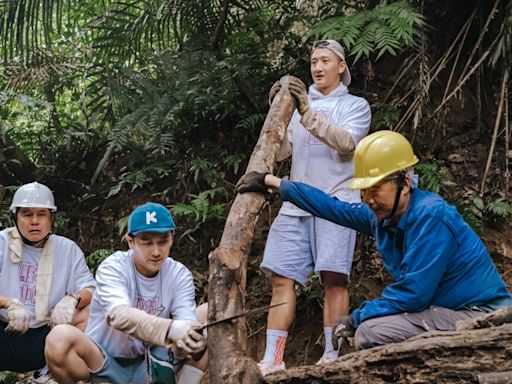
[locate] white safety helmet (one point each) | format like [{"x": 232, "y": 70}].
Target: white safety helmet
[{"x": 33, "y": 195}]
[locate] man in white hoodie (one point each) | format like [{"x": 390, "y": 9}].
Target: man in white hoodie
[{"x": 322, "y": 136}]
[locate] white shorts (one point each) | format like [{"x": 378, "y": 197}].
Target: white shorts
[{"x": 298, "y": 245}]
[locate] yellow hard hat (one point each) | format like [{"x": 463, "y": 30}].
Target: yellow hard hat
[{"x": 379, "y": 155}]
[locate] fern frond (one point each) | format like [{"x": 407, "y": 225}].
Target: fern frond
[{"x": 384, "y": 29}]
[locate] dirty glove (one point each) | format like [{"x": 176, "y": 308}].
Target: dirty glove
[
  {"x": 299, "y": 92},
  {"x": 344, "y": 327},
  {"x": 193, "y": 342},
  {"x": 252, "y": 182},
  {"x": 273, "y": 91},
  {"x": 64, "y": 311},
  {"x": 17, "y": 317},
  {"x": 179, "y": 329}
]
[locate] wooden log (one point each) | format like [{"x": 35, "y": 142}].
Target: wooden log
[
  {"x": 227, "y": 342},
  {"x": 495, "y": 378},
  {"x": 433, "y": 357},
  {"x": 493, "y": 319}
]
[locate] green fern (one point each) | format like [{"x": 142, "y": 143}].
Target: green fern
[
  {"x": 432, "y": 176},
  {"x": 201, "y": 209},
  {"x": 384, "y": 29},
  {"x": 500, "y": 207}
]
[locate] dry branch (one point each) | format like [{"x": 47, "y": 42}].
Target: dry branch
[
  {"x": 227, "y": 342},
  {"x": 495, "y": 133}
]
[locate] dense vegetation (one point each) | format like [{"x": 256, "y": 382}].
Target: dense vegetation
[{"x": 113, "y": 103}]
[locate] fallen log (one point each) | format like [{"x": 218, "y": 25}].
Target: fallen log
[
  {"x": 463, "y": 356},
  {"x": 493, "y": 319},
  {"x": 227, "y": 342},
  {"x": 495, "y": 378}
]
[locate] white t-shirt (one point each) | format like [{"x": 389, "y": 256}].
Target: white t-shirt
[
  {"x": 313, "y": 161},
  {"x": 70, "y": 274},
  {"x": 171, "y": 293}
]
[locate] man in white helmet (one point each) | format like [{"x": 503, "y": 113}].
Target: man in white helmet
[{"x": 44, "y": 281}]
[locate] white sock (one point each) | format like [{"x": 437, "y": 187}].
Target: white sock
[
  {"x": 274, "y": 350},
  {"x": 190, "y": 375},
  {"x": 329, "y": 349}
]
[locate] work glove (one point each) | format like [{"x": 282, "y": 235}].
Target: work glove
[
  {"x": 343, "y": 327},
  {"x": 17, "y": 317},
  {"x": 193, "y": 342},
  {"x": 179, "y": 329},
  {"x": 273, "y": 91},
  {"x": 300, "y": 94},
  {"x": 64, "y": 311},
  {"x": 252, "y": 182}
]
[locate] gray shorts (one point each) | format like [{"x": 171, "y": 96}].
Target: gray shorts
[
  {"x": 400, "y": 327},
  {"x": 299, "y": 245},
  {"x": 130, "y": 371}
]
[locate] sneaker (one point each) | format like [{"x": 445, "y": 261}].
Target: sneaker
[
  {"x": 326, "y": 359},
  {"x": 267, "y": 368}
]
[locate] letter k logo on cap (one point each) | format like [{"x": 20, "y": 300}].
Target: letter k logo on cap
[{"x": 151, "y": 217}]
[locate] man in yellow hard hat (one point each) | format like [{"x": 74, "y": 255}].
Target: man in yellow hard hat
[{"x": 442, "y": 271}]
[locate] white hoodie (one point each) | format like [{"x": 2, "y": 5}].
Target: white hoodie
[{"x": 316, "y": 163}]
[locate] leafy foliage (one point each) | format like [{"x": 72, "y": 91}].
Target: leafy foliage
[
  {"x": 384, "y": 116},
  {"x": 476, "y": 211},
  {"x": 384, "y": 29},
  {"x": 95, "y": 258},
  {"x": 202, "y": 208},
  {"x": 432, "y": 176}
]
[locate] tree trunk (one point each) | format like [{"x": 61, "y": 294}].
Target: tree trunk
[
  {"x": 462, "y": 356},
  {"x": 227, "y": 342},
  {"x": 17, "y": 168}
]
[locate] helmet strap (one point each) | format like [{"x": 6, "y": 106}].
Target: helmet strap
[{"x": 400, "y": 183}]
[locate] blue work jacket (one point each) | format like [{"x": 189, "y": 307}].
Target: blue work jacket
[{"x": 432, "y": 253}]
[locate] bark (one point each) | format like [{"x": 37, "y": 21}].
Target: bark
[
  {"x": 227, "y": 342},
  {"x": 495, "y": 378},
  {"x": 493, "y": 319},
  {"x": 467, "y": 356}
]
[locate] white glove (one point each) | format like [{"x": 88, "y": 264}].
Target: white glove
[
  {"x": 193, "y": 342},
  {"x": 17, "y": 317},
  {"x": 64, "y": 311},
  {"x": 179, "y": 329}
]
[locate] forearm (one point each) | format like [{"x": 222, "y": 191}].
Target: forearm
[
  {"x": 137, "y": 323},
  {"x": 273, "y": 182},
  {"x": 335, "y": 136}
]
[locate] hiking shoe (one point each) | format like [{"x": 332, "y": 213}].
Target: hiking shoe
[
  {"x": 267, "y": 368},
  {"x": 326, "y": 359}
]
